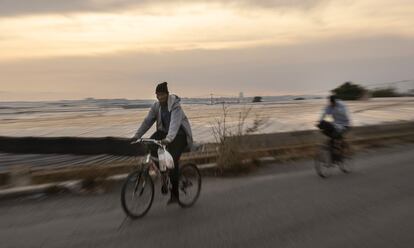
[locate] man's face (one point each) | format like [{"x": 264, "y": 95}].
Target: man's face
[
  {"x": 332, "y": 103},
  {"x": 162, "y": 97}
]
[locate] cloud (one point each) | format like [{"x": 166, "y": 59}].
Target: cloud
[
  {"x": 305, "y": 68},
  {"x": 24, "y": 7},
  {"x": 187, "y": 26}
]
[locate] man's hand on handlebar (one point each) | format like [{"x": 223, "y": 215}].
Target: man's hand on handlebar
[
  {"x": 152, "y": 141},
  {"x": 134, "y": 140},
  {"x": 164, "y": 142}
]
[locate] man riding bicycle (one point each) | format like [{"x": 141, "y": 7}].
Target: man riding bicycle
[
  {"x": 339, "y": 113},
  {"x": 341, "y": 122},
  {"x": 173, "y": 129}
]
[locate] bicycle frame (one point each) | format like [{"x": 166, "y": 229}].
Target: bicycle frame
[
  {"x": 149, "y": 161},
  {"x": 148, "y": 157}
]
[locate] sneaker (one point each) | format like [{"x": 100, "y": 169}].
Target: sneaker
[{"x": 172, "y": 200}]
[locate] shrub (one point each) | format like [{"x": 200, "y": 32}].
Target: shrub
[
  {"x": 386, "y": 92},
  {"x": 230, "y": 159},
  {"x": 349, "y": 91}
]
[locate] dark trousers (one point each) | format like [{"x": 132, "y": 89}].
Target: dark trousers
[
  {"x": 175, "y": 148},
  {"x": 329, "y": 130},
  {"x": 336, "y": 141}
]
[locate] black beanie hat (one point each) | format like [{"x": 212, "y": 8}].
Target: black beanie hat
[{"x": 162, "y": 88}]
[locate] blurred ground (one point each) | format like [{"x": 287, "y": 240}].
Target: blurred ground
[{"x": 277, "y": 206}]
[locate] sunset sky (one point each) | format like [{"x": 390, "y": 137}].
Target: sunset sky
[{"x": 59, "y": 49}]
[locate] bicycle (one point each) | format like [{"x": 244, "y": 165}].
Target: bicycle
[
  {"x": 137, "y": 193},
  {"x": 337, "y": 152}
]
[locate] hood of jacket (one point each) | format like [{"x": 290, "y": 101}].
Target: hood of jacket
[{"x": 173, "y": 101}]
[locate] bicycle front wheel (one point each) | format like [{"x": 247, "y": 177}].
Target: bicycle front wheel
[
  {"x": 189, "y": 185},
  {"x": 323, "y": 161},
  {"x": 137, "y": 194}
]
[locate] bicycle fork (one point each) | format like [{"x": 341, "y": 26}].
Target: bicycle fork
[{"x": 137, "y": 185}]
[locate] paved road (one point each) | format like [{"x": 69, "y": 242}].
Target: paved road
[{"x": 278, "y": 206}]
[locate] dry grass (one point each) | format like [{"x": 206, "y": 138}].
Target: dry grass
[{"x": 231, "y": 159}]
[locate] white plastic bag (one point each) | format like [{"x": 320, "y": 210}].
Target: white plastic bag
[{"x": 165, "y": 159}]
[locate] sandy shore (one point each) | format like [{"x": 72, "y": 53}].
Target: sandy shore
[{"x": 279, "y": 116}]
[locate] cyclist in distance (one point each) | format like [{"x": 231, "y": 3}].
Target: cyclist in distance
[
  {"x": 335, "y": 130},
  {"x": 339, "y": 113}
]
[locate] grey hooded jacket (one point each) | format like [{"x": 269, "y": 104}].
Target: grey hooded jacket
[
  {"x": 178, "y": 119},
  {"x": 339, "y": 113}
]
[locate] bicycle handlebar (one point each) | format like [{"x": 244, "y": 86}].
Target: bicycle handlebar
[{"x": 145, "y": 140}]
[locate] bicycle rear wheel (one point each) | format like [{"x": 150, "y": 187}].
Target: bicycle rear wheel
[
  {"x": 347, "y": 162},
  {"x": 323, "y": 161},
  {"x": 137, "y": 194},
  {"x": 189, "y": 185}
]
